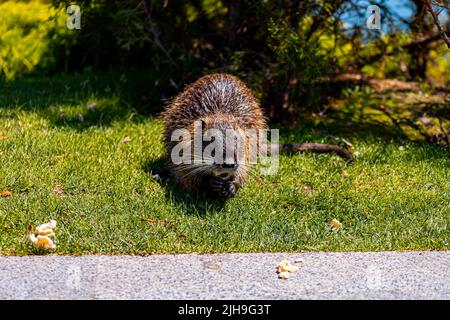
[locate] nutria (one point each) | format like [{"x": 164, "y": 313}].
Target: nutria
[{"x": 221, "y": 102}]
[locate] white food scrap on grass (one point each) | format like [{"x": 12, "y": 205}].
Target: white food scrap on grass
[
  {"x": 44, "y": 232},
  {"x": 42, "y": 242},
  {"x": 46, "y": 229}
]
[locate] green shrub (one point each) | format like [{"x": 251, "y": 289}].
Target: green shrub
[
  {"x": 280, "y": 48},
  {"x": 267, "y": 43},
  {"x": 26, "y": 33}
]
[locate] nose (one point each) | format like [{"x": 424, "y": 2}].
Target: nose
[{"x": 228, "y": 165}]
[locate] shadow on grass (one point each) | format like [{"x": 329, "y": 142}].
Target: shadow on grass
[
  {"x": 189, "y": 203},
  {"x": 85, "y": 99},
  {"x": 100, "y": 113},
  {"x": 371, "y": 119},
  {"x": 384, "y": 139},
  {"x": 89, "y": 99}
]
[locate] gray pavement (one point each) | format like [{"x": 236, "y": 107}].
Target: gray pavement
[{"x": 363, "y": 275}]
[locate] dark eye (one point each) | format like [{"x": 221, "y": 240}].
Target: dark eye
[{"x": 213, "y": 153}]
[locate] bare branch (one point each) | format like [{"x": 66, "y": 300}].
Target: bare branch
[
  {"x": 435, "y": 3},
  {"x": 154, "y": 32},
  {"x": 422, "y": 41},
  {"x": 360, "y": 62},
  {"x": 436, "y": 21}
]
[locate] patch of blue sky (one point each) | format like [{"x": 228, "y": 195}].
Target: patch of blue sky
[{"x": 398, "y": 13}]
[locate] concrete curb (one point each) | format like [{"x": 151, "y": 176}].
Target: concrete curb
[{"x": 352, "y": 275}]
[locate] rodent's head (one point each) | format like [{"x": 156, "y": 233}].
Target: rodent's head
[{"x": 223, "y": 147}]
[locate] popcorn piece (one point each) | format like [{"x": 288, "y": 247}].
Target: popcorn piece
[
  {"x": 42, "y": 242},
  {"x": 283, "y": 275},
  {"x": 46, "y": 229},
  {"x": 45, "y": 232},
  {"x": 336, "y": 224},
  {"x": 285, "y": 266}
]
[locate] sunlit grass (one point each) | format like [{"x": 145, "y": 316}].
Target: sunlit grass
[{"x": 65, "y": 161}]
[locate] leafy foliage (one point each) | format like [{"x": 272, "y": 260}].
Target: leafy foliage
[{"x": 281, "y": 48}]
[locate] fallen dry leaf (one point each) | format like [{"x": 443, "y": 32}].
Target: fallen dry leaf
[
  {"x": 58, "y": 191},
  {"x": 157, "y": 221},
  {"x": 6, "y": 193},
  {"x": 336, "y": 224},
  {"x": 347, "y": 143}
]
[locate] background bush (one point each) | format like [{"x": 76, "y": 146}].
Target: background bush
[
  {"x": 282, "y": 49},
  {"x": 28, "y": 37}
]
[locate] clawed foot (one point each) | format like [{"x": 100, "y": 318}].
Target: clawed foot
[{"x": 222, "y": 188}]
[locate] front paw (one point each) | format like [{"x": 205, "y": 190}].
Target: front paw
[
  {"x": 222, "y": 188},
  {"x": 160, "y": 175}
]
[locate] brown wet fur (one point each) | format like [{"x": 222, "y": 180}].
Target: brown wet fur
[{"x": 221, "y": 101}]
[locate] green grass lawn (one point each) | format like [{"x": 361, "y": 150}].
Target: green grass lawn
[{"x": 66, "y": 162}]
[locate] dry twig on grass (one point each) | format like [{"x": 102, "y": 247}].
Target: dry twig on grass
[{"x": 165, "y": 222}]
